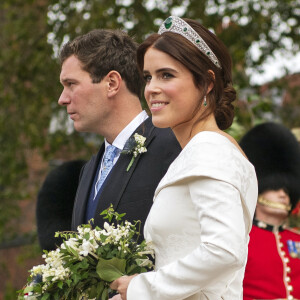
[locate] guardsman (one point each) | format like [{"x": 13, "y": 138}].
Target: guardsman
[{"x": 273, "y": 267}]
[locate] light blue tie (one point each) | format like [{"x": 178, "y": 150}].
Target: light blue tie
[{"x": 110, "y": 153}]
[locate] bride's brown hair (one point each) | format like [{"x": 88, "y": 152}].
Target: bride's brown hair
[{"x": 204, "y": 71}]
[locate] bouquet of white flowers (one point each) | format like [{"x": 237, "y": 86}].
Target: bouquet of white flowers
[{"x": 88, "y": 260}]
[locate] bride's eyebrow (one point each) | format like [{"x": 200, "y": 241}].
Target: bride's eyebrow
[
  {"x": 161, "y": 70},
  {"x": 166, "y": 70}
]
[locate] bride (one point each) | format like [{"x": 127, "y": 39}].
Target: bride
[{"x": 202, "y": 213}]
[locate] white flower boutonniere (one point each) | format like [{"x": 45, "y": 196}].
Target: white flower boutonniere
[{"x": 135, "y": 146}]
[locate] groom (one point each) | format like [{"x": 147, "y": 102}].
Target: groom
[{"x": 101, "y": 91}]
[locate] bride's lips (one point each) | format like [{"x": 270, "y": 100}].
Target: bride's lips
[{"x": 156, "y": 105}]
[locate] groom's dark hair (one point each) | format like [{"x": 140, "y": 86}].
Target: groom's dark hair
[{"x": 103, "y": 50}]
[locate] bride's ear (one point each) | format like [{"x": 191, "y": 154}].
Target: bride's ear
[{"x": 212, "y": 81}]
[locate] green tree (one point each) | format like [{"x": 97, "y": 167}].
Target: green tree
[
  {"x": 25, "y": 93},
  {"x": 29, "y": 90}
]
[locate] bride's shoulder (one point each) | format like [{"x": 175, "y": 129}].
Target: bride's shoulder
[
  {"x": 213, "y": 142},
  {"x": 213, "y": 153},
  {"x": 234, "y": 142},
  {"x": 207, "y": 149}
]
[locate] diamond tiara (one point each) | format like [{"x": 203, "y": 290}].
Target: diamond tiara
[{"x": 177, "y": 25}]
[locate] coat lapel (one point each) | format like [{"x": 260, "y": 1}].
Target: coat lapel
[
  {"x": 85, "y": 186},
  {"x": 117, "y": 180}
]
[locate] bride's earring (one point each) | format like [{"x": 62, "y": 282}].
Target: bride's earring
[{"x": 204, "y": 102}]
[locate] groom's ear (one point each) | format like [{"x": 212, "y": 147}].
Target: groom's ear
[{"x": 113, "y": 80}]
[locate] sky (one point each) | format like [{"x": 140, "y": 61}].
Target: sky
[{"x": 275, "y": 67}]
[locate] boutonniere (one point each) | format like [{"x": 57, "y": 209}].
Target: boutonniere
[{"x": 135, "y": 146}]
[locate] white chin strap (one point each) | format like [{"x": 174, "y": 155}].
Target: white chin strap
[{"x": 265, "y": 202}]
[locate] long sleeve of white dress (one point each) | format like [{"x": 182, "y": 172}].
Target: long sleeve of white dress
[{"x": 199, "y": 224}]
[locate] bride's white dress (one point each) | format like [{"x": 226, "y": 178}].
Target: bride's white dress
[{"x": 199, "y": 224}]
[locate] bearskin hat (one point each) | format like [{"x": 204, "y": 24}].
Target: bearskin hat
[
  {"x": 55, "y": 202},
  {"x": 275, "y": 154}
]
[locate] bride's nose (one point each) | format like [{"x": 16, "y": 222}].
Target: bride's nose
[{"x": 152, "y": 87}]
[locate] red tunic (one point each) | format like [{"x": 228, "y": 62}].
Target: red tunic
[{"x": 273, "y": 267}]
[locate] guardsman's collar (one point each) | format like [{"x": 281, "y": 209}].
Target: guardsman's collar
[{"x": 264, "y": 225}]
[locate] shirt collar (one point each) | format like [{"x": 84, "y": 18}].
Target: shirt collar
[{"x": 126, "y": 133}]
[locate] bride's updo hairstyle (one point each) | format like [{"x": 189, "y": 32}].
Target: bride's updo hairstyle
[{"x": 203, "y": 68}]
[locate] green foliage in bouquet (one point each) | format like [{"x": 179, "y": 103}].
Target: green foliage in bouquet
[{"x": 88, "y": 260}]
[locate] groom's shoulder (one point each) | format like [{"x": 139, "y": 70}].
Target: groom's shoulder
[
  {"x": 90, "y": 164},
  {"x": 163, "y": 137},
  {"x": 165, "y": 133},
  {"x": 166, "y": 138}
]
